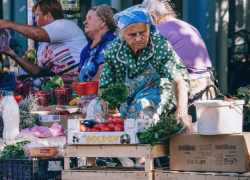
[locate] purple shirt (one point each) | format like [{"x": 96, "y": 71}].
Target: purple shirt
[{"x": 188, "y": 44}]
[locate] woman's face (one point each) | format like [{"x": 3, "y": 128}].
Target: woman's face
[
  {"x": 92, "y": 23},
  {"x": 136, "y": 36},
  {"x": 41, "y": 18}
]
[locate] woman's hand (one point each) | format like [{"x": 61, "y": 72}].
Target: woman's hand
[
  {"x": 8, "y": 52},
  {"x": 183, "y": 117},
  {"x": 181, "y": 93}
]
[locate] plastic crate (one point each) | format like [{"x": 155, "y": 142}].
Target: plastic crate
[{"x": 31, "y": 169}]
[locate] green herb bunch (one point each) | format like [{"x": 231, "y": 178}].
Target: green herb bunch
[
  {"x": 54, "y": 82},
  {"x": 26, "y": 106},
  {"x": 161, "y": 131},
  {"x": 14, "y": 151},
  {"x": 115, "y": 95}
]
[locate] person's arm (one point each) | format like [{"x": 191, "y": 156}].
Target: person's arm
[
  {"x": 176, "y": 72},
  {"x": 98, "y": 74},
  {"x": 35, "y": 33},
  {"x": 31, "y": 68},
  {"x": 181, "y": 94}
]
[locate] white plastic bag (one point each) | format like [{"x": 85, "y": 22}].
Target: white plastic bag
[{"x": 11, "y": 118}]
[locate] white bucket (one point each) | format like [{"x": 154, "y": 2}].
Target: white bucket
[{"x": 219, "y": 116}]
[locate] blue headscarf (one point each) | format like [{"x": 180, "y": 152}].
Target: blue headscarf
[{"x": 132, "y": 15}]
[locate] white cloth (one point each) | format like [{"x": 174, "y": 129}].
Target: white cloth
[{"x": 63, "y": 51}]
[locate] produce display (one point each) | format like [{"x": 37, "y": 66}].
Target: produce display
[{"x": 114, "y": 123}]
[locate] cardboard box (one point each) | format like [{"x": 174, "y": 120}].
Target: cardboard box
[
  {"x": 128, "y": 136},
  {"x": 175, "y": 175},
  {"x": 219, "y": 153}
]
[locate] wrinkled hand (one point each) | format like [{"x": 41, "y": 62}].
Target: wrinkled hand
[
  {"x": 183, "y": 117},
  {"x": 4, "y": 24}
]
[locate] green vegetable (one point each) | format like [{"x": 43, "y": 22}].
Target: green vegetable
[
  {"x": 14, "y": 151},
  {"x": 54, "y": 82},
  {"x": 115, "y": 95},
  {"x": 161, "y": 131},
  {"x": 26, "y": 106}
]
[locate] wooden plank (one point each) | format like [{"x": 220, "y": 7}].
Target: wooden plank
[
  {"x": 174, "y": 175},
  {"x": 159, "y": 151},
  {"x": 105, "y": 175},
  {"x": 66, "y": 163},
  {"x": 146, "y": 151},
  {"x": 244, "y": 178}
]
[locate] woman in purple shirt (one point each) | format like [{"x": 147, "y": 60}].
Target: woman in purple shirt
[{"x": 188, "y": 44}]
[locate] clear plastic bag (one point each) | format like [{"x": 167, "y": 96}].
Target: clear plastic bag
[{"x": 11, "y": 118}]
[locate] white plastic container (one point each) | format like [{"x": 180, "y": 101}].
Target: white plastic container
[{"x": 219, "y": 117}]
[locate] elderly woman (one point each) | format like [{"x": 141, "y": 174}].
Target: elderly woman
[
  {"x": 99, "y": 27},
  {"x": 145, "y": 62},
  {"x": 188, "y": 44}
]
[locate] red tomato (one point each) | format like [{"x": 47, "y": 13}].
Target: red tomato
[
  {"x": 119, "y": 127},
  {"x": 18, "y": 98},
  {"x": 97, "y": 127},
  {"x": 104, "y": 127},
  {"x": 117, "y": 120},
  {"x": 111, "y": 126}
]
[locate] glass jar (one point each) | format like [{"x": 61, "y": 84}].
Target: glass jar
[
  {"x": 60, "y": 96},
  {"x": 42, "y": 98},
  {"x": 68, "y": 92}
]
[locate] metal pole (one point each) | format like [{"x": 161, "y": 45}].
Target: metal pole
[
  {"x": 1, "y": 9},
  {"x": 1, "y": 17},
  {"x": 231, "y": 31}
]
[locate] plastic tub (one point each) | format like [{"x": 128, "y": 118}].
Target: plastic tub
[
  {"x": 219, "y": 117},
  {"x": 85, "y": 88}
]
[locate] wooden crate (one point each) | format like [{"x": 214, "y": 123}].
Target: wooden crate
[
  {"x": 120, "y": 151},
  {"x": 105, "y": 175},
  {"x": 174, "y": 175}
]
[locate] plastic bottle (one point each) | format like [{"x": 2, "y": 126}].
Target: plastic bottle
[{"x": 10, "y": 116}]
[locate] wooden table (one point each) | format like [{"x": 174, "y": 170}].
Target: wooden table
[{"x": 149, "y": 152}]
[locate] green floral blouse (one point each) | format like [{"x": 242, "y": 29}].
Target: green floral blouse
[{"x": 158, "y": 53}]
